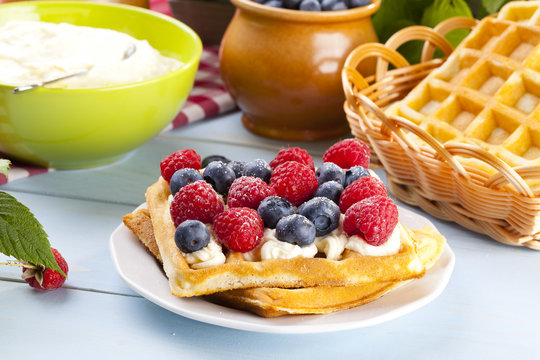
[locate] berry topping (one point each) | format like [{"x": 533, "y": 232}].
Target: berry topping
[
  {"x": 374, "y": 219},
  {"x": 239, "y": 229},
  {"x": 293, "y": 154},
  {"x": 361, "y": 189},
  {"x": 348, "y": 153},
  {"x": 42, "y": 278},
  {"x": 310, "y": 5},
  {"x": 248, "y": 191},
  {"x": 182, "y": 178},
  {"x": 196, "y": 201},
  {"x": 329, "y": 172},
  {"x": 219, "y": 175},
  {"x": 274, "y": 208},
  {"x": 355, "y": 173},
  {"x": 295, "y": 229},
  {"x": 331, "y": 190},
  {"x": 323, "y": 213},
  {"x": 294, "y": 181},
  {"x": 258, "y": 168},
  {"x": 191, "y": 235},
  {"x": 179, "y": 160},
  {"x": 207, "y": 160},
  {"x": 238, "y": 167}
]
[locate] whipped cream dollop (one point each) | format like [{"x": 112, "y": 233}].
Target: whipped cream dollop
[
  {"x": 35, "y": 51},
  {"x": 209, "y": 256},
  {"x": 272, "y": 248},
  {"x": 391, "y": 246}
]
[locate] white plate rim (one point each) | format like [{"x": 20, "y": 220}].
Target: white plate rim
[{"x": 435, "y": 281}]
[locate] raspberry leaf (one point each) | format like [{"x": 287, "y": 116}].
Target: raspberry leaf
[
  {"x": 22, "y": 236},
  {"x": 4, "y": 165}
]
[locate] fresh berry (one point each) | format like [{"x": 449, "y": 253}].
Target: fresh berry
[
  {"x": 339, "y": 5},
  {"x": 293, "y": 154},
  {"x": 239, "y": 229},
  {"x": 357, "y": 3},
  {"x": 359, "y": 190},
  {"x": 291, "y": 4},
  {"x": 374, "y": 219},
  {"x": 196, "y": 201},
  {"x": 329, "y": 172},
  {"x": 182, "y": 178},
  {"x": 274, "y": 208},
  {"x": 348, "y": 153},
  {"x": 331, "y": 190},
  {"x": 207, "y": 160},
  {"x": 219, "y": 175},
  {"x": 43, "y": 278},
  {"x": 294, "y": 181},
  {"x": 310, "y": 5},
  {"x": 191, "y": 235},
  {"x": 258, "y": 168},
  {"x": 355, "y": 173},
  {"x": 295, "y": 229},
  {"x": 179, "y": 160},
  {"x": 248, "y": 191},
  {"x": 323, "y": 213},
  {"x": 327, "y": 4},
  {"x": 238, "y": 167},
  {"x": 274, "y": 3}
]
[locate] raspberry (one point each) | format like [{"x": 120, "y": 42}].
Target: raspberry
[
  {"x": 239, "y": 229},
  {"x": 179, "y": 160},
  {"x": 47, "y": 279},
  {"x": 294, "y": 181},
  {"x": 373, "y": 218},
  {"x": 293, "y": 154},
  {"x": 359, "y": 190},
  {"x": 248, "y": 191},
  {"x": 196, "y": 201},
  {"x": 348, "y": 153}
]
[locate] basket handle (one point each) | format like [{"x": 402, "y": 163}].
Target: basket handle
[
  {"x": 416, "y": 32},
  {"x": 497, "y": 180},
  {"x": 509, "y": 174},
  {"x": 454, "y": 23}
]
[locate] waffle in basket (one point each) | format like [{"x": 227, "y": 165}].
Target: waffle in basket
[
  {"x": 272, "y": 302},
  {"x": 460, "y": 137},
  {"x": 308, "y": 240}
]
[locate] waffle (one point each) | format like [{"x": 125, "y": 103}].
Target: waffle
[
  {"x": 487, "y": 92},
  {"x": 272, "y": 302},
  {"x": 238, "y": 273}
]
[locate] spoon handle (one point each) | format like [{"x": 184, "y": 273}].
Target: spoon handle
[{"x": 43, "y": 83}]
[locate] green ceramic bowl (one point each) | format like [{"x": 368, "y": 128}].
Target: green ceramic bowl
[{"x": 78, "y": 128}]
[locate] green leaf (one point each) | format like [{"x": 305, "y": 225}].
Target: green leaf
[
  {"x": 4, "y": 166},
  {"x": 492, "y": 6},
  {"x": 22, "y": 236}
]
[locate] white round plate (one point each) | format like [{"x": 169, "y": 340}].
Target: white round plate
[{"x": 145, "y": 276}]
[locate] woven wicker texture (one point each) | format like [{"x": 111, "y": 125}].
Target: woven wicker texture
[{"x": 459, "y": 136}]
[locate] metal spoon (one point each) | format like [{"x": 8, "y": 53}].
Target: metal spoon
[{"x": 129, "y": 51}]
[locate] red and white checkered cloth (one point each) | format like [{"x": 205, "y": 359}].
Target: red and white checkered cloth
[{"x": 207, "y": 98}]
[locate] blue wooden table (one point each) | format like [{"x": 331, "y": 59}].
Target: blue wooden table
[{"x": 489, "y": 309}]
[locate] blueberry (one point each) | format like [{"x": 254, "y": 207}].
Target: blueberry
[
  {"x": 331, "y": 190},
  {"x": 355, "y": 173},
  {"x": 182, "y": 178},
  {"x": 258, "y": 168},
  {"x": 219, "y": 175},
  {"x": 357, "y": 3},
  {"x": 339, "y": 5},
  {"x": 310, "y": 5},
  {"x": 274, "y": 3},
  {"x": 191, "y": 235},
  {"x": 291, "y": 4},
  {"x": 207, "y": 160},
  {"x": 237, "y": 167},
  {"x": 327, "y": 4},
  {"x": 295, "y": 229},
  {"x": 323, "y": 213},
  {"x": 329, "y": 172},
  {"x": 273, "y": 208}
]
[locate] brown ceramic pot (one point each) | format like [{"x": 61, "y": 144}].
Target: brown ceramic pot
[{"x": 283, "y": 67}]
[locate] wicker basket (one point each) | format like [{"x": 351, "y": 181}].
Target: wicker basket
[{"x": 427, "y": 173}]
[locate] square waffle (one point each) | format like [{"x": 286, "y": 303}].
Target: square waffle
[
  {"x": 238, "y": 273},
  {"x": 272, "y": 302},
  {"x": 487, "y": 92}
]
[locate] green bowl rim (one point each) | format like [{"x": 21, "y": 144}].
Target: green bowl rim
[{"x": 192, "y": 61}]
